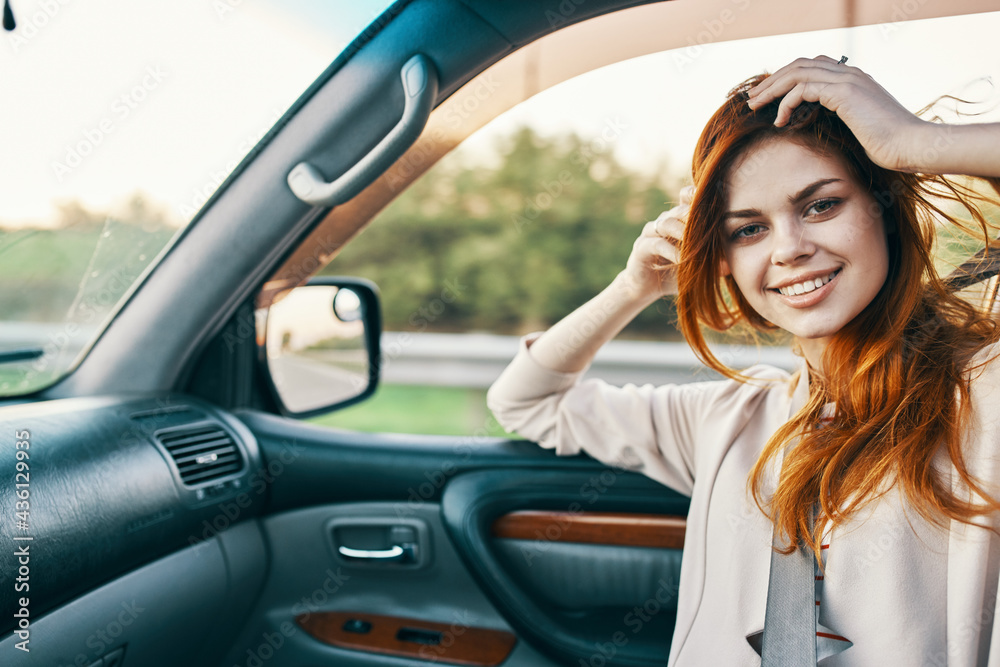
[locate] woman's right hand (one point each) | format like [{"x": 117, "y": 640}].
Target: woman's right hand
[
  {"x": 650, "y": 273},
  {"x": 651, "y": 270}
]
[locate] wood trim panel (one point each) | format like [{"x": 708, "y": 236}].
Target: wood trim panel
[
  {"x": 630, "y": 530},
  {"x": 459, "y": 645}
]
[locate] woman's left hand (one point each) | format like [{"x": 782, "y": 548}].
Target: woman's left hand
[{"x": 890, "y": 133}]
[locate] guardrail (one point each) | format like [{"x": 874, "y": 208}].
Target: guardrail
[{"x": 475, "y": 360}]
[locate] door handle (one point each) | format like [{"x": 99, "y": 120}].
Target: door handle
[
  {"x": 397, "y": 553},
  {"x": 420, "y": 85}
]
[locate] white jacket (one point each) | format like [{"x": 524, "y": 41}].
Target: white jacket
[{"x": 903, "y": 591}]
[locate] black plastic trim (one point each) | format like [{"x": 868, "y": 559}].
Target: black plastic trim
[
  {"x": 104, "y": 499},
  {"x": 471, "y": 503},
  {"x": 314, "y": 465},
  {"x": 371, "y": 315}
]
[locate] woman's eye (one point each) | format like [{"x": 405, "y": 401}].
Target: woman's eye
[
  {"x": 747, "y": 232},
  {"x": 822, "y": 206}
]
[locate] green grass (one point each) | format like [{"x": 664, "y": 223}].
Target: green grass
[
  {"x": 418, "y": 409},
  {"x": 44, "y": 271}
]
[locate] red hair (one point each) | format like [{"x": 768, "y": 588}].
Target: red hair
[{"x": 893, "y": 373}]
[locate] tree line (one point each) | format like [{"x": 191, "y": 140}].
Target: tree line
[{"x": 509, "y": 248}]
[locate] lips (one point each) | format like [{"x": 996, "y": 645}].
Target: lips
[{"x": 806, "y": 286}]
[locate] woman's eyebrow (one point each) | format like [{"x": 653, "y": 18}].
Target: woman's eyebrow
[
  {"x": 804, "y": 193},
  {"x": 742, "y": 213},
  {"x": 808, "y": 191}
]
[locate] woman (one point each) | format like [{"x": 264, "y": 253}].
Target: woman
[{"x": 811, "y": 212}]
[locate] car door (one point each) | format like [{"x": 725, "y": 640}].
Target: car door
[{"x": 331, "y": 545}]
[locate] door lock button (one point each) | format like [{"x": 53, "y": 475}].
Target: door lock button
[{"x": 357, "y": 626}]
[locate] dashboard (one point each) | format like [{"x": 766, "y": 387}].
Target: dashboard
[{"x": 133, "y": 519}]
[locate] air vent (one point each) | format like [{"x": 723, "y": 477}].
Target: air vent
[{"x": 202, "y": 453}]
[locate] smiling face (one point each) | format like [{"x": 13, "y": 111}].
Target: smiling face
[{"x": 803, "y": 241}]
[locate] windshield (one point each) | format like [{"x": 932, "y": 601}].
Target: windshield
[{"x": 121, "y": 120}]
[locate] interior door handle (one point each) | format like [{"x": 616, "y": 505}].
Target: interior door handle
[
  {"x": 420, "y": 85},
  {"x": 404, "y": 553}
]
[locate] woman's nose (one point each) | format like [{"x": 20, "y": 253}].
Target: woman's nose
[{"x": 791, "y": 243}]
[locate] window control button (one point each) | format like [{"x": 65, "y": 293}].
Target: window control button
[
  {"x": 358, "y": 626},
  {"x": 419, "y": 636}
]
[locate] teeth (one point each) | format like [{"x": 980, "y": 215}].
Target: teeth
[{"x": 806, "y": 286}]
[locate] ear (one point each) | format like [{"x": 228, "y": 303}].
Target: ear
[{"x": 724, "y": 268}]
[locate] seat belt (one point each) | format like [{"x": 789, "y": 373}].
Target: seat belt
[{"x": 790, "y": 618}]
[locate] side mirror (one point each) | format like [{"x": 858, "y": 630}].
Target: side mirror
[{"x": 321, "y": 345}]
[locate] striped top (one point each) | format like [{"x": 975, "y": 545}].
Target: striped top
[{"x": 828, "y": 642}]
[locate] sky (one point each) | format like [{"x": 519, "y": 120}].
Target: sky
[
  {"x": 103, "y": 99},
  {"x": 106, "y": 97}
]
